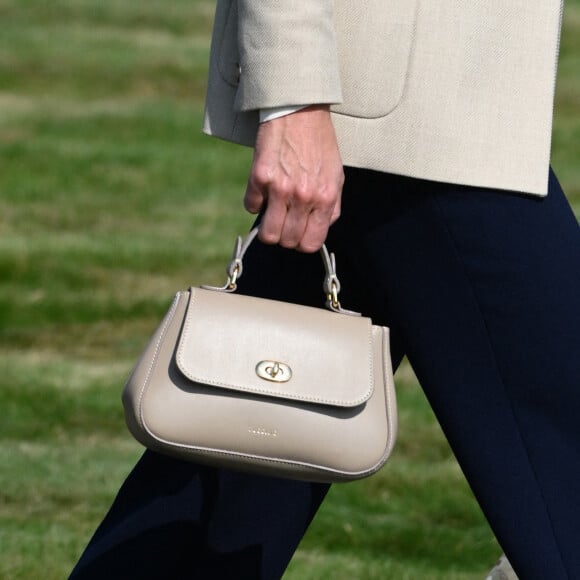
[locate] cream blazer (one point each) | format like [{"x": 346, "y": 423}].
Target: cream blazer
[{"x": 459, "y": 91}]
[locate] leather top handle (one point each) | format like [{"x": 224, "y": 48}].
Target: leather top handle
[{"x": 330, "y": 286}]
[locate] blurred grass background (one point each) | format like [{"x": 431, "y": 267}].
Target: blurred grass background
[{"x": 110, "y": 201}]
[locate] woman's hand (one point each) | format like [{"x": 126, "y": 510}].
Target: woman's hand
[{"x": 297, "y": 176}]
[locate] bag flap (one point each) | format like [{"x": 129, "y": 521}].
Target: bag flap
[{"x": 276, "y": 349}]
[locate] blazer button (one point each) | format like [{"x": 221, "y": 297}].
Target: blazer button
[{"x": 238, "y": 73}]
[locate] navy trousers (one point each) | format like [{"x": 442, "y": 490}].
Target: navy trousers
[{"x": 481, "y": 290}]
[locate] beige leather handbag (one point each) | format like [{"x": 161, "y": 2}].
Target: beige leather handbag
[{"x": 266, "y": 386}]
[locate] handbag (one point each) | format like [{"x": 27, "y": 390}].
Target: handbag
[{"x": 266, "y": 386}]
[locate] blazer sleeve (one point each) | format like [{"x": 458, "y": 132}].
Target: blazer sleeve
[{"x": 288, "y": 54}]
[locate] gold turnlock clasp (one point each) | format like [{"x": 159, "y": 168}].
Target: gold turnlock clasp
[{"x": 276, "y": 372}]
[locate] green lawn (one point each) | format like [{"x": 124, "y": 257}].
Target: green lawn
[{"x": 110, "y": 201}]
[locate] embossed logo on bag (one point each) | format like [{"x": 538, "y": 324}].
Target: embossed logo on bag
[
  {"x": 274, "y": 371},
  {"x": 263, "y": 432}
]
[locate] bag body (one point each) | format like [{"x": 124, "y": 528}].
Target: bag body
[{"x": 265, "y": 386}]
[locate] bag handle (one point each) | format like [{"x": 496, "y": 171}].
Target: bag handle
[{"x": 330, "y": 286}]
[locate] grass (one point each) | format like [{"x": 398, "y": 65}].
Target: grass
[{"x": 100, "y": 110}]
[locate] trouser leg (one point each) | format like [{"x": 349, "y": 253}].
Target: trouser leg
[
  {"x": 484, "y": 289},
  {"x": 173, "y": 519}
]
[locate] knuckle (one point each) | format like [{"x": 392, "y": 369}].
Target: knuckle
[
  {"x": 283, "y": 189},
  {"x": 303, "y": 194},
  {"x": 260, "y": 176},
  {"x": 327, "y": 198}
]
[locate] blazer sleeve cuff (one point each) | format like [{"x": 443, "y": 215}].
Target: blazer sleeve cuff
[{"x": 288, "y": 54}]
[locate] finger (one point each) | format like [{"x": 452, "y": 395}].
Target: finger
[
  {"x": 254, "y": 198},
  {"x": 315, "y": 232},
  {"x": 272, "y": 221},
  {"x": 337, "y": 205},
  {"x": 295, "y": 225},
  {"x": 322, "y": 216},
  {"x": 336, "y": 211}
]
